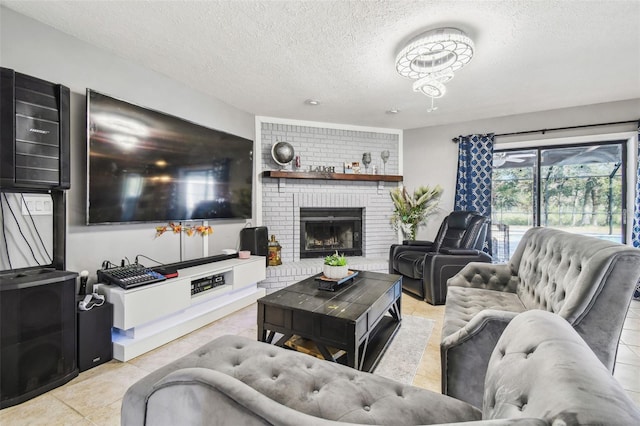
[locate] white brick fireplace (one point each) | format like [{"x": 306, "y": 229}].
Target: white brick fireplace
[{"x": 282, "y": 198}]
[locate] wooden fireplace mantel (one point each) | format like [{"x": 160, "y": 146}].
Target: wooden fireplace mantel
[{"x": 332, "y": 176}]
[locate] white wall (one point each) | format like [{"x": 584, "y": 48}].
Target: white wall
[
  {"x": 430, "y": 157},
  {"x": 33, "y": 48}
]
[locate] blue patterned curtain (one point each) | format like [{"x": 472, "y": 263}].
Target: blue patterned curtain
[
  {"x": 635, "y": 234},
  {"x": 473, "y": 182}
]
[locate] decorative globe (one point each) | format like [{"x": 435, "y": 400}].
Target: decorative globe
[{"x": 282, "y": 153}]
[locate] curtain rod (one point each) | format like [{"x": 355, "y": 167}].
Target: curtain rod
[{"x": 543, "y": 131}]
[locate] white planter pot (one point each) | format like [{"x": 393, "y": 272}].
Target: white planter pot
[{"x": 335, "y": 272}]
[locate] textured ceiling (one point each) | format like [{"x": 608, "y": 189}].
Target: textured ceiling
[{"x": 267, "y": 57}]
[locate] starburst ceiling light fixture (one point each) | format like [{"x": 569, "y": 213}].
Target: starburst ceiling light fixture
[{"x": 431, "y": 59}]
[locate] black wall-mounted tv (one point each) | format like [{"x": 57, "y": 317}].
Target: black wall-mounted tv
[{"x": 148, "y": 166}]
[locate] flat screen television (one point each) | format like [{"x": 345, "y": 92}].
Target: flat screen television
[{"x": 148, "y": 166}]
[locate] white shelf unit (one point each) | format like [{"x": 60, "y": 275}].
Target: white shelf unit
[{"x": 150, "y": 316}]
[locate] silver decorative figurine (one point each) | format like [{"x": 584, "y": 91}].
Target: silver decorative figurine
[{"x": 366, "y": 160}]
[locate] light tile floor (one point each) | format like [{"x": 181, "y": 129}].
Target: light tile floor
[
  {"x": 95, "y": 396},
  {"x": 627, "y": 369}
]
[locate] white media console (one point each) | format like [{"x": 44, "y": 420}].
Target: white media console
[{"x": 149, "y": 316}]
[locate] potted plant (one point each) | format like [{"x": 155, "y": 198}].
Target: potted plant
[
  {"x": 413, "y": 210},
  {"x": 335, "y": 266}
]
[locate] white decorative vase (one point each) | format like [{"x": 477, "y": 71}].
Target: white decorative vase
[
  {"x": 408, "y": 231},
  {"x": 335, "y": 272}
]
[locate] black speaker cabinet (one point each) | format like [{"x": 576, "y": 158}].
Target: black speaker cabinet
[
  {"x": 256, "y": 240},
  {"x": 94, "y": 336},
  {"x": 34, "y": 133},
  {"x": 37, "y": 333}
]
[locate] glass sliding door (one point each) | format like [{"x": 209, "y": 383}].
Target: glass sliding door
[
  {"x": 582, "y": 190},
  {"x": 578, "y": 188},
  {"x": 514, "y": 199}
]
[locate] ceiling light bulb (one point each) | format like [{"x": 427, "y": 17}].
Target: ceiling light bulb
[
  {"x": 430, "y": 87},
  {"x": 313, "y": 102},
  {"x": 393, "y": 111}
]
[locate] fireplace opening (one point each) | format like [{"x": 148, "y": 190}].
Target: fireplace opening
[{"x": 325, "y": 230}]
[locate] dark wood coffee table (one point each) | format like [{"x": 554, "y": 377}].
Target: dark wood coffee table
[{"x": 360, "y": 318}]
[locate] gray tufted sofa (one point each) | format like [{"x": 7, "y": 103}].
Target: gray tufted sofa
[
  {"x": 587, "y": 281},
  {"x": 540, "y": 373}
]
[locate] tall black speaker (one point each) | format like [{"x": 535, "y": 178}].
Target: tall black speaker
[
  {"x": 37, "y": 333},
  {"x": 256, "y": 240},
  {"x": 34, "y": 133}
]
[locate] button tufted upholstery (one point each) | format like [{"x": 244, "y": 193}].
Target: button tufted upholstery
[
  {"x": 472, "y": 301},
  {"x": 542, "y": 367},
  {"x": 427, "y": 265},
  {"x": 587, "y": 281},
  {"x": 238, "y": 373},
  {"x": 541, "y": 373}
]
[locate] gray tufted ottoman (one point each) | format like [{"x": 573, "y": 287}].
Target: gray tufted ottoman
[{"x": 541, "y": 373}]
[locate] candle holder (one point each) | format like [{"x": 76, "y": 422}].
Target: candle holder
[{"x": 385, "y": 157}]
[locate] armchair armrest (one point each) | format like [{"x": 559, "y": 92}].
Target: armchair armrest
[
  {"x": 417, "y": 243},
  {"x": 460, "y": 251},
  {"x": 396, "y": 249},
  {"x": 437, "y": 268},
  {"x": 418, "y": 249},
  {"x": 489, "y": 276},
  {"x": 440, "y": 267},
  {"x": 465, "y": 355}
]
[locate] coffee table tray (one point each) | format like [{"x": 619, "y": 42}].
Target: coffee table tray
[{"x": 331, "y": 284}]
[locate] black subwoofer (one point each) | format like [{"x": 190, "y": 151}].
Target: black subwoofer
[
  {"x": 37, "y": 333},
  {"x": 34, "y": 133},
  {"x": 94, "y": 336},
  {"x": 256, "y": 240}
]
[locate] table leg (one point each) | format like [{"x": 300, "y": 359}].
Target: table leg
[
  {"x": 262, "y": 333},
  {"x": 364, "y": 353},
  {"x": 353, "y": 353},
  {"x": 395, "y": 310},
  {"x": 283, "y": 339},
  {"x": 325, "y": 352},
  {"x": 267, "y": 337}
]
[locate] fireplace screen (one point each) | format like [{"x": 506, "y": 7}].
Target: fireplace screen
[{"x": 325, "y": 230}]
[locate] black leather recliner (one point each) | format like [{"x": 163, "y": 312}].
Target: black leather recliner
[{"x": 427, "y": 265}]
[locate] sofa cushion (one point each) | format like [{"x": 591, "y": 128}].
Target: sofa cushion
[
  {"x": 463, "y": 303},
  {"x": 308, "y": 385}
]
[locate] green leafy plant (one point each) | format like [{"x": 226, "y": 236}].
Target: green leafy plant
[
  {"x": 413, "y": 210},
  {"x": 335, "y": 260}
]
